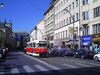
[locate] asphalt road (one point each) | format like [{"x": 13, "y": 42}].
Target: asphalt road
[{"x": 18, "y": 63}]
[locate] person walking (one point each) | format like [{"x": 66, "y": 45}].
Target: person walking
[{"x": 96, "y": 49}]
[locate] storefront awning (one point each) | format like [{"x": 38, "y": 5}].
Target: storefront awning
[{"x": 96, "y": 39}]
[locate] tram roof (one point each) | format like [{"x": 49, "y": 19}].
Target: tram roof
[{"x": 37, "y": 41}]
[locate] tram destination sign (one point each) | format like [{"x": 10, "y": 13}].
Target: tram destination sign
[{"x": 42, "y": 42}]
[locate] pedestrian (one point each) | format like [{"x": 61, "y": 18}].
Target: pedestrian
[{"x": 96, "y": 49}]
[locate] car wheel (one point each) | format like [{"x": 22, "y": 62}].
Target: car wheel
[
  {"x": 96, "y": 58},
  {"x": 40, "y": 55}
]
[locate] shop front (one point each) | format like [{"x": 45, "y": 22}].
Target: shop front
[{"x": 96, "y": 40}]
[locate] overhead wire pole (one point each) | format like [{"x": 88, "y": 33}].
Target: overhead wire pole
[{"x": 73, "y": 25}]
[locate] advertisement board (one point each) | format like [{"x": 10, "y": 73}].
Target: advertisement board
[{"x": 86, "y": 40}]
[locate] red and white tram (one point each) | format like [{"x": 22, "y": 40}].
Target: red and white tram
[{"x": 37, "y": 48}]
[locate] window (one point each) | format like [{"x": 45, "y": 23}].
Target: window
[
  {"x": 57, "y": 7},
  {"x": 61, "y": 23},
  {"x": 84, "y": 2},
  {"x": 64, "y": 22},
  {"x": 85, "y": 30},
  {"x": 69, "y": 7},
  {"x": 76, "y": 3},
  {"x": 96, "y": 28},
  {"x": 69, "y": 20},
  {"x": 66, "y": 9},
  {"x": 74, "y": 17},
  {"x": 64, "y": 1},
  {"x": 63, "y": 34},
  {"x": 73, "y": 5},
  {"x": 96, "y": 11},
  {"x": 77, "y": 17},
  {"x": 64, "y": 12},
  {"x": 76, "y": 28},
  {"x": 61, "y": 3},
  {"x": 85, "y": 15},
  {"x": 95, "y": 0},
  {"x": 66, "y": 33}
]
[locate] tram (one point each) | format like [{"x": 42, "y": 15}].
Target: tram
[{"x": 37, "y": 48}]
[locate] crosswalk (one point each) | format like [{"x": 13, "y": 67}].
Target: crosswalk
[{"x": 41, "y": 68}]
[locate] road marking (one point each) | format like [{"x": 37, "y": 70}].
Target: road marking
[
  {"x": 1, "y": 73},
  {"x": 83, "y": 65},
  {"x": 14, "y": 70},
  {"x": 94, "y": 64},
  {"x": 49, "y": 65},
  {"x": 41, "y": 68},
  {"x": 89, "y": 67},
  {"x": 70, "y": 66},
  {"x": 28, "y": 69}
]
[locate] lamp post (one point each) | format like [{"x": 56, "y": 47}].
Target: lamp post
[
  {"x": 2, "y": 36},
  {"x": 1, "y": 5},
  {"x": 73, "y": 25}
]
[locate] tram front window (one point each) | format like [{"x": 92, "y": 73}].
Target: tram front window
[{"x": 42, "y": 45}]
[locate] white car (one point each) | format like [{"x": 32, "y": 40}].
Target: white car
[{"x": 97, "y": 57}]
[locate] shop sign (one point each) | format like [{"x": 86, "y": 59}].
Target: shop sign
[{"x": 86, "y": 40}]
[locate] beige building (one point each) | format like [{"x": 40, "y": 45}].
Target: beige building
[
  {"x": 49, "y": 24},
  {"x": 90, "y": 16},
  {"x": 90, "y": 20}
]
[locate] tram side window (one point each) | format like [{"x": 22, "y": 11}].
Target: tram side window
[
  {"x": 37, "y": 45},
  {"x": 30, "y": 45},
  {"x": 33, "y": 44},
  {"x": 26, "y": 45}
]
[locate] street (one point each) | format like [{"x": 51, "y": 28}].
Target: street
[{"x": 20, "y": 63}]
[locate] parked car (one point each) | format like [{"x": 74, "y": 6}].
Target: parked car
[
  {"x": 69, "y": 53},
  {"x": 81, "y": 53},
  {"x": 54, "y": 51},
  {"x": 66, "y": 52},
  {"x": 97, "y": 57}
]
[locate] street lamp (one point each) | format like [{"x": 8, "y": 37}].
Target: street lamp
[
  {"x": 73, "y": 25},
  {"x": 1, "y": 5}
]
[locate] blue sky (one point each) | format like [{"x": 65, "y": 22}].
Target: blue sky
[{"x": 24, "y": 14}]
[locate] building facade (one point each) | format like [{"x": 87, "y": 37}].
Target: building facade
[
  {"x": 40, "y": 30},
  {"x": 66, "y": 22},
  {"x": 90, "y": 20},
  {"x": 49, "y": 24},
  {"x": 38, "y": 33},
  {"x": 21, "y": 38}
]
